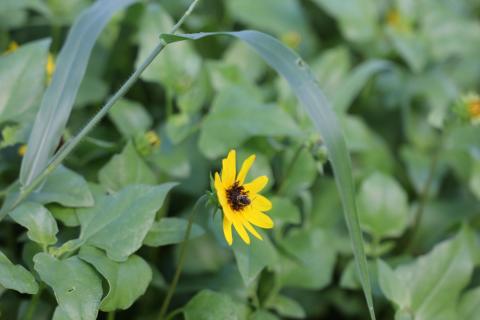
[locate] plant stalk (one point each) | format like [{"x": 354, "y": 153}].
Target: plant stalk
[
  {"x": 181, "y": 260},
  {"x": 68, "y": 147}
]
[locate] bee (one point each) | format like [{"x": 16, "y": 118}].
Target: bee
[{"x": 243, "y": 199}]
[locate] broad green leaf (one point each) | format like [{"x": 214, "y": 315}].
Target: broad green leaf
[
  {"x": 170, "y": 231},
  {"x": 125, "y": 169},
  {"x": 210, "y": 305},
  {"x": 42, "y": 227},
  {"x": 22, "y": 76},
  {"x": 429, "y": 287},
  {"x": 300, "y": 174},
  {"x": 65, "y": 187},
  {"x": 60, "y": 95},
  {"x": 16, "y": 277},
  {"x": 308, "y": 253},
  {"x": 77, "y": 288},
  {"x": 252, "y": 259},
  {"x": 262, "y": 315},
  {"x": 127, "y": 280},
  {"x": 286, "y": 19},
  {"x": 130, "y": 118},
  {"x": 175, "y": 69},
  {"x": 411, "y": 47},
  {"x": 59, "y": 314},
  {"x": 288, "y": 307},
  {"x": 232, "y": 114},
  {"x": 382, "y": 206},
  {"x": 284, "y": 212},
  {"x": 357, "y": 18},
  {"x": 469, "y": 305},
  {"x": 355, "y": 81},
  {"x": 119, "y": 223},
  {"x": 299, "y": 77}
]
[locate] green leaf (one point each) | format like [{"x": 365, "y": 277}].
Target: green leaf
[
  {"x": 22, "y": 75},
  {"x": 308, "y": 252},
  {"x": 262, "y": 315},
  {"x": 65, "y": 187},
  {"x": 59, "y": 314},
  {"x": 118, "y": 223},
  {"x": 170, "y": 231},
  {"x": 175, "y": 69},
  {"x": 383, "y": 206},
  {"x": 251, "y": 259},
  {"x": 125, "y": 169},
  {"x": 127, "y": 280},
  {"x": 469, "y": 305},
  {"x": 77, "y": 288},
  {"x": 300, "y": 79},
  {"x": 42, "y": 227},
  {"x": 210, "y": 305},
  {"x": 301, "y": 173},
  {"x": 231, "y": 114},
  {"x": 355, "y": 81},
  {"x": 287, "y": 307},
  {"x": 130, "y": 118},
  {"x": 357, "y": 18},
  {"x": 429, "y": 287},
  {"x": 16, "y": 277},
  {"x": 284, "y": 212},
  {"x": 60, "y": 95}
]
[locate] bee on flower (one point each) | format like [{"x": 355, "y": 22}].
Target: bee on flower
[{"x": 242, "y": 204}]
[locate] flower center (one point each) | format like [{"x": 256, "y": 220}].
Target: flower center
[{"x": 237, "y": 197}]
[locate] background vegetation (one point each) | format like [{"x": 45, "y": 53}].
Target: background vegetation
[{"x": 401, "y": 76}]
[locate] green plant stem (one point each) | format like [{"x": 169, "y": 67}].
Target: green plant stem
[
  {"x": 32, "y": 306},
  {"x": 68, "y": 147},
  {"x": 174, "y": 313},
  {"x": 181, "y": 260},
  {"x": 111, "y": 315},
  {"x": 292, "y": 162},
  {"x": 424, "y": 195}
]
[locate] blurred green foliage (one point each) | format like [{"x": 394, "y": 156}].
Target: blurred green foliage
[{"x": 395, "y": 71}]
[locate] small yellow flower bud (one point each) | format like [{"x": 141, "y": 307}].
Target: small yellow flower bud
[
  {"x": 292, "y": 39},
  {"x": 50, "y": 67},
  {"x": 468, "y": 108},
  {"x": 22, "y": 150},
  {"x": 13, "y": 46},
  {"x": 153, "y": 138},
  {"x": 396, "y": 21}
]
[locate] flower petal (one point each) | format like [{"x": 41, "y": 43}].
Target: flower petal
[
  {"x": 246, "y": 165},
  {"x": 259, "y": 219},
  {"x": 229, "y": 169},
  {"x": 261, "y": 203},
  {"x": 237, "y": 223},
  {"x": 227, "y": 231},
  {"x": 251, "y": 229},
  {"x": 256, "y": 185},
  {"x": 221, "y": 195}
]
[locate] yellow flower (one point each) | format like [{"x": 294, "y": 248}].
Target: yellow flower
[
  {"x": 241, "y": 203},
  {"x": 398, "y": 22}
]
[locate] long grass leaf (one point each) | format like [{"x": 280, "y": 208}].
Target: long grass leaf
[
  {"x": 59, "y": 97},
  {"x": 298, "y": 75}
]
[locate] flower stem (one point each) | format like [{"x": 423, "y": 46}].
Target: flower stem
[
  {"x": 32, "y": 306},
  {"x": 68, "y": 147},
  {"x": 181, "y": 260},
  {"x": 111, "y": 315}
]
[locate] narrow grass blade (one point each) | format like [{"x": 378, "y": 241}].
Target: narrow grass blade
[
  {"x": 303, "y": 83},
  {"x": 59, "y": 97}
]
